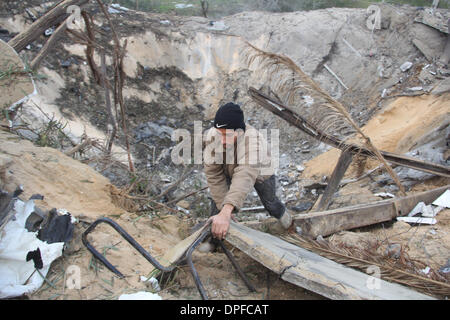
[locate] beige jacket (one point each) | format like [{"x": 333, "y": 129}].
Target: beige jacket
[{"x": 251, "y": 161}]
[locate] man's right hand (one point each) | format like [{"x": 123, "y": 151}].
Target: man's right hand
[{"x": 221, "y": 222}]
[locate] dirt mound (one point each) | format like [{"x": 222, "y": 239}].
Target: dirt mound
[{"x": 64, "y": 182}]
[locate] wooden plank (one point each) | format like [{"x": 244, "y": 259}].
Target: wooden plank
[
  {"x": 344, "y": 161},
  {"x": 177, "y": 252},
  {"x": 311, "y": 271},
  {"x": 331, "y": 221},
  {"x": 328, "y": 222}
]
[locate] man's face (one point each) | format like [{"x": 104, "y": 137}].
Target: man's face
[{"x": 229, "y": 137}]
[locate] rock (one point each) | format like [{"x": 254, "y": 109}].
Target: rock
[
  {"x": 406, "y": 66},
  {"x": 183, "y": 204}
]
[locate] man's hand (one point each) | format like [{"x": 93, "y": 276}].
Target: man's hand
[{"x": 221, "y": 222}]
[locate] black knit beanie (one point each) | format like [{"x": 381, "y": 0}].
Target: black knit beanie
[{"x": 229, "y": 116}]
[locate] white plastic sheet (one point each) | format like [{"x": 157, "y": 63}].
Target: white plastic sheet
[
  {"x": 18, "y": 276},
  {"x": 443, "y": 200}
]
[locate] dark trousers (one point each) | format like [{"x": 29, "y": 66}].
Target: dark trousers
[{"x": 266, "y": 190}]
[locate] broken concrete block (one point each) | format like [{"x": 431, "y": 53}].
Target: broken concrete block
[
  {"x": 425, "y": 49},
  {"x": 436, "y": 21}
]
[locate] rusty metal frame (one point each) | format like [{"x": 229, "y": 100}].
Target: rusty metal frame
[{"x": 154, "y": 262}]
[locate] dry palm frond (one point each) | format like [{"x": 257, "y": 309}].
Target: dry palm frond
[
  {"x": 297, "y": 89},
  {"x": 404, "y": 270}
]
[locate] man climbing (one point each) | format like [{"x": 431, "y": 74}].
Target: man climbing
[{"x": 236, "y": 168}]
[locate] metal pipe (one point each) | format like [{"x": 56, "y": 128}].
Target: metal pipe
[
  {"x": 127, "y": 237},
  {"x": 238, "y": 269},
  {"x": 194, "y": 272}
]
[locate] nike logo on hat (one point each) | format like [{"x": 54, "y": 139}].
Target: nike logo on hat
[{"x": 222, "y": 125}]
